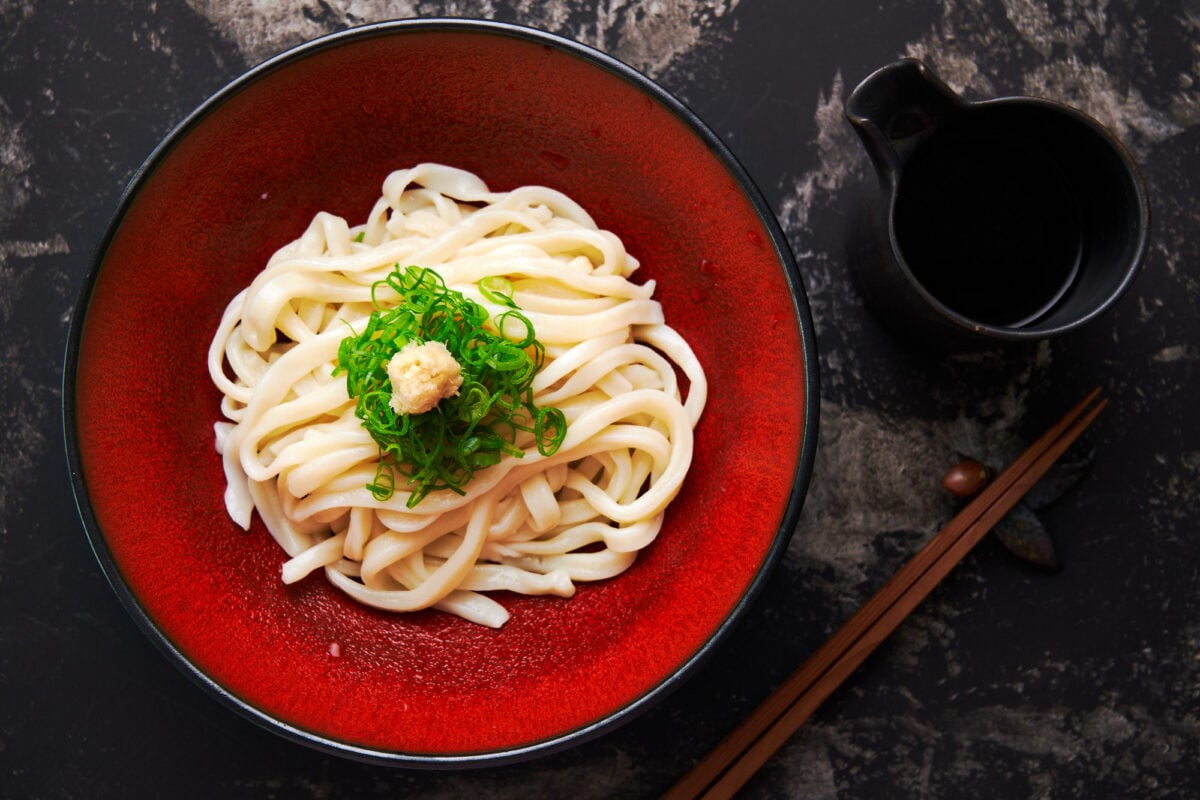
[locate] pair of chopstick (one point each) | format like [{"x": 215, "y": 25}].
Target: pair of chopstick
[{"x": 740, "y": 754}]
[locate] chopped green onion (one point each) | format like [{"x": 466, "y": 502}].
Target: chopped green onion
[
  {"x": 498, "y": 289},
  {"x": 443, "y": 447}
]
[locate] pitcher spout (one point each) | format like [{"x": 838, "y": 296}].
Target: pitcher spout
[{"x": 897, "y": 107}]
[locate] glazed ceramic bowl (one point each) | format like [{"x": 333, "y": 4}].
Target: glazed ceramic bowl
[{"x": 318, "y": 128}]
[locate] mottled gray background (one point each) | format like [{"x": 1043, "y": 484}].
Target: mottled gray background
[{"x": 1007, "y": 683}]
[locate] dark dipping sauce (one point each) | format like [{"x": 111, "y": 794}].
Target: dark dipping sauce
[{"x": 989, "y": 225}]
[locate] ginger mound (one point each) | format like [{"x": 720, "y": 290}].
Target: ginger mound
[{"x": 422, "y": 373}]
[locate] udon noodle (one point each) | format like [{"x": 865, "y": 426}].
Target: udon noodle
[{"x": 293, "y": 449}]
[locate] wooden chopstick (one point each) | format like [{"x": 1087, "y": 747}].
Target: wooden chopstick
[{"x": 740, "y": 754}]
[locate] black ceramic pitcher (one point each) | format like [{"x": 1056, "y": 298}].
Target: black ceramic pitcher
[{"x": 1009, "y": 219}]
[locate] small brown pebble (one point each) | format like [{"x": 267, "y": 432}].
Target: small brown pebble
[{"x": 966, "y": 478}]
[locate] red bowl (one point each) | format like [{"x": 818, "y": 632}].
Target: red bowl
[{"x": 318, "y": 128}]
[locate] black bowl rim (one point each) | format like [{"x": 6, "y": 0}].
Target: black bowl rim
[{"x": 617, "y": 717}]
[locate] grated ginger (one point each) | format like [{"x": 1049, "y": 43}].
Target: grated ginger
[{"x": 422, "y": 373}]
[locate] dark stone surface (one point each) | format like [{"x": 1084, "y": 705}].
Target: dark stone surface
[{"x": 1008, "y": 682}]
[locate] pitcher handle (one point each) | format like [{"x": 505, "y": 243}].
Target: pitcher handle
[{"x": 895, "y": 108}]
